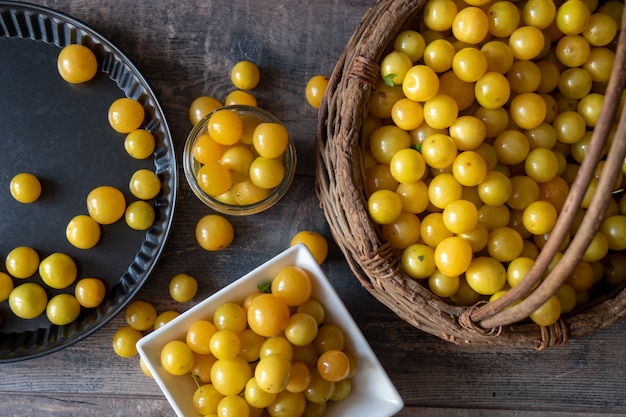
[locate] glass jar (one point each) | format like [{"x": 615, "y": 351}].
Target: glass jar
[{"x": 226, "y": 203}]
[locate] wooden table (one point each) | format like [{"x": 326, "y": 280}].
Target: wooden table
[{"x": 186, "y": 49}]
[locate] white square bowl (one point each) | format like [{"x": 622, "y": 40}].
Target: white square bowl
[{"x": 373, "y": 393}]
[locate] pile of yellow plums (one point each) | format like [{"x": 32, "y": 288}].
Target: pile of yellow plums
[{"x": 474, "y": 136}]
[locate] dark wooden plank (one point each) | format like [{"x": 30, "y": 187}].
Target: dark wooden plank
[
  {"x": 73, "y": 405},
  {"x": 123, "y": 406},
  {"x": 496, "y": 412}
]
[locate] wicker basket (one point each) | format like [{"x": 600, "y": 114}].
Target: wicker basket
[{"x": 340, "y": 185}]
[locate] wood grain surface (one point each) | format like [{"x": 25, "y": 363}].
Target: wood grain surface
[{"x": 186, "y": 49}]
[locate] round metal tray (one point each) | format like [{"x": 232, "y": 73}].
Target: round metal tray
[{"x": 60, "y": 132}]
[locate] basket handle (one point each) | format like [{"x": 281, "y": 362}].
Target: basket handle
[{"x": 502, "y": 311}]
